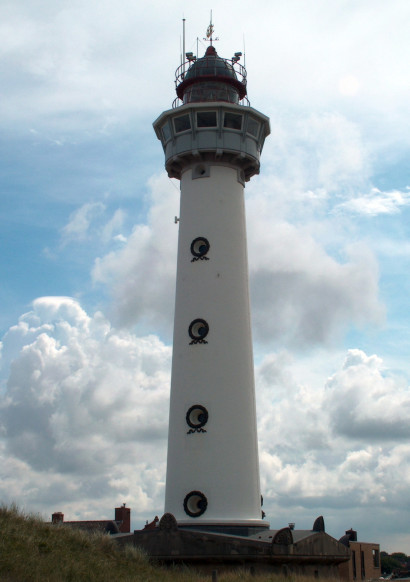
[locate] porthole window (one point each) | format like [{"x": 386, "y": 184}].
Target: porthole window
[
  {"x": 182, "y": 123},
  {"x": 253, "y": 127},
  {"x": 198, "y": 330},
  {"x": 206, "y": 119},
  {"x": 233, "y": 120},
  {"x": 195, "y": 504},
  {"x": 199, "y": 249},
  {"x": 197, "y": 417},
  {"x": 166, "y": 131}
]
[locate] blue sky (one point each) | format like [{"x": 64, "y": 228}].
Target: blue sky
[{"x": 89, "y": 247}]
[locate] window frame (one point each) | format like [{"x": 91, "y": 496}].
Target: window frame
[
  {"x": 201, "y": 127},
  {"x": 177, "y": 117},
  {"x": 234, "y": 114}
]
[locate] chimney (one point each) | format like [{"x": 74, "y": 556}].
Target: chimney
[
  {"x": 123, "y": 516},
  {"x": 352, "y": 535},
  {"x": 57, "y": 517}
]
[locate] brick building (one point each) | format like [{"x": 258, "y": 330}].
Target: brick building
[
  {"x": 364, "y": 563},
  {"x": 120, "y": 524}
]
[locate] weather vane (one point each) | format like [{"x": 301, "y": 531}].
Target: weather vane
[{"x": 209, "y": 32}]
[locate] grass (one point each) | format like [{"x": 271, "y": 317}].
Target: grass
[{"x": 34, "y": 551}]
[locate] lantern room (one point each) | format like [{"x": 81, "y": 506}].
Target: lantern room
[{"x": 211, "y": 78}]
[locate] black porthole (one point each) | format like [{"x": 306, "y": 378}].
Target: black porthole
[
  {"x": 197, "y": 417},
  {"x": 195, "y": 504},
  {"x": 199, "y": 248},
  {"x": 198, "y": 330}
]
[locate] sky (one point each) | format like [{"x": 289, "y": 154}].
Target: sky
[{"x": 89, "y": 244}]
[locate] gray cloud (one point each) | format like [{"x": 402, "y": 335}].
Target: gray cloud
[
  {"x": 141, "y": 275},
  {"x": 366, "y": 402},
  {"x": 301, "y": 296},
  {"x": 318, "y": 451}
]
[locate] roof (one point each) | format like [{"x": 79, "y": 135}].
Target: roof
[
  {"x": 211, "y": 65},
  {"x": 211, "y": 68}
]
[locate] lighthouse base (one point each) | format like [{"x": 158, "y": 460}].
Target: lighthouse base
[{"x": 284, "y": 551}]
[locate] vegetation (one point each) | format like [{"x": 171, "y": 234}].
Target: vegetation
[
  {"x": 395, "y": 563},
  {"x": 34, "y": 551}
]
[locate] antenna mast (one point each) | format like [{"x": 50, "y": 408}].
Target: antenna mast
[
  {"x": 183, "y": 44},
  {"x": 244, "y": 52}
]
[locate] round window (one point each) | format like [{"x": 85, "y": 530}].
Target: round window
[
  {"x": 198, "y": 330},
  {"x": 200, "y": 247},
  {"x": 195, "y": 503},
  {"x": 197, "y": 416}
]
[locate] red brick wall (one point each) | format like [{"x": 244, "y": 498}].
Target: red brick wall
[
  {"x": 123, "y": 514},
  {"x": 363, "y": 564}
]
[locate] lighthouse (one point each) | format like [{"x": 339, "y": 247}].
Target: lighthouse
[{"x": 212, "y": 140}]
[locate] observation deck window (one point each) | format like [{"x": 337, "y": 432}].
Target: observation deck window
[
  {"x": 182, "y": 123},
  {"x": 166, "y": 131},
  {"x": 233, "y": 120},
  {"x": 253, "y": 127},
  {"x": 206, "y": 119}
]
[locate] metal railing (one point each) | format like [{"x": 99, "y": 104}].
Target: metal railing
[
  {"x": 214, "y": 68},
  {"x": 212, "y": 65}
]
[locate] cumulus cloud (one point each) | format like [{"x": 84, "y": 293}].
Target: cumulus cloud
[
  {"x": 141, "y": 275},
  {"x": 84, "y": 404},
  {"x": 373, "y": 403},
  {"x": 338, "y": 448},
  {"x": 301, "y": 295},
  {"x": 84, "y": 413}
]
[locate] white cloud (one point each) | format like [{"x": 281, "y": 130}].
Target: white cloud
[
  {"x": 373, "y": 403},
  {"x": 141, "y": 274},
  {"x": 84, "y": 419},
  {"x": 377, "y": 202},
  {"x": 301, "y": 296},
  {"x": 113, "y": 226},
  {"x": 86, "y": 62},
  {"x": 338, "y": 449},
  {"x": 84, "y": 404},
  {"x": 313, "y": 158},
  {"x": 78, "y": 226},
  {"x": 90, "y": 224}
]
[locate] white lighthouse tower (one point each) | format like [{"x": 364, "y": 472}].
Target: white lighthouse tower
[{"x": 212, "y": 141}]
